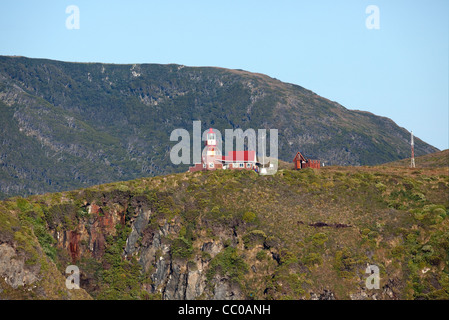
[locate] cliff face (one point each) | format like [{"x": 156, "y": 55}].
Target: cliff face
[
  {"x": 234, "y": 235},
  {"x": 168, "y": 276},
  {"x": 13, "y": 270},
  {"x": 26, "y": 268},
  {"x": 72, "y": 125}
]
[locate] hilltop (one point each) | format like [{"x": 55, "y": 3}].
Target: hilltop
[
  {"x": 431, "y": 160},
  {"x": 72, "y": 125},
  {"x": 306, "y": 234}
]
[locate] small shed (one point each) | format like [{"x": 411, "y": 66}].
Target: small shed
[{"x": 302, "y": 162}]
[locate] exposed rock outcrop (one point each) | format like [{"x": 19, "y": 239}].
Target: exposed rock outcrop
[{"x": 13, "y": 269}]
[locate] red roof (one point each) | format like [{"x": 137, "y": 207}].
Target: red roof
[
  {"x": 241, "y": 156},
  {"x": 299, "y": 156}
]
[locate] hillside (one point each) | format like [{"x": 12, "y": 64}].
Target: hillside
[
  {"x": 431, "y": 160},
  {"x": 306, "y": 234},
  {"x": 71, "y": 125}
]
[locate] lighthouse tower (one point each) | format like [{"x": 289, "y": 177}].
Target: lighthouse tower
[{"x": 211, "y": 156}]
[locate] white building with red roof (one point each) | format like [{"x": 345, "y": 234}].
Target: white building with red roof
[{"x": 212, "y": 159}]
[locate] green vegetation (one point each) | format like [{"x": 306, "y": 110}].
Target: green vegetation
[
  {"x": 228, "y": 263},
  {"x": 121, "y": 278},
  {"x": 181, "y": 248},
  {"x": 73, "y": 125},
  {"x": 285, "y": 236}
]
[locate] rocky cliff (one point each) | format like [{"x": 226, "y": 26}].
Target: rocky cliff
[
  {"x": 234, "y": 235},
  {"x": 26, "y": 271},
  {"x": 149, "y": 245}
]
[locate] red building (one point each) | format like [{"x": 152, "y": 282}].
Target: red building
[
  {"x": 211, "y": 158},
  {"x": 302, "y": 162},
  {"x": 240, "y": 160}
]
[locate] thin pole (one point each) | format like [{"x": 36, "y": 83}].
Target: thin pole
[{"x": 412, "y": 143}]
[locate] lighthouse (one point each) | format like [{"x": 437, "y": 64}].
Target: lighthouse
[{"x": 211, "y": 156}]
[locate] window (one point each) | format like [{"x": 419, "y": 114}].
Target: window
[
  {"x": 211, "y": 164},
  {"x": 204, "y": 165},
  {"x": 241, "y": 165},
  {"x": 248, "y": 165}
]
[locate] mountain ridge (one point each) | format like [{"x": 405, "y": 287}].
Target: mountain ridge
[{"x": 69, "y": 125}]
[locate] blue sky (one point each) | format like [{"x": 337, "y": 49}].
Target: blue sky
[{"x": 399, "y": 70}]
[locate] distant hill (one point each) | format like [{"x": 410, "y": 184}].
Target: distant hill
[
  {"x": 432, "y": 160},
  {"x": 307, "y": 234},
  {"x": 71, "y": 125}
]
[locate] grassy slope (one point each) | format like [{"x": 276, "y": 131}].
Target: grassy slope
[
  {"x": 437, "y": 159},
  {"x": 303, "y": 231}
]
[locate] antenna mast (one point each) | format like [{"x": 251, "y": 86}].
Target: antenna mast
[{"x": 412, "y": 143}]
